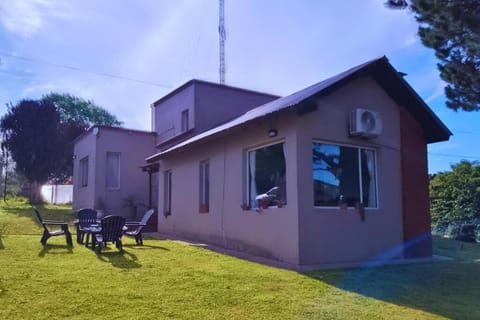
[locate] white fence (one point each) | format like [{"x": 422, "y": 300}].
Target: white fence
[{"x": 58, "y": 194}]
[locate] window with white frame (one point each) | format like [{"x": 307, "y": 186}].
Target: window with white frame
[
  {"x": 204, "y": 186},
  {"x": 343, "y": 175},
  {"x": 167, "y": 192},
  {"x": 83, "y": 171},
  {"x": 185, "y": 124},
  {"x": 266, "y": 170},
  {"x": 112, "y": 172}
]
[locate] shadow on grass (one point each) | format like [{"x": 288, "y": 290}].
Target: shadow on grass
[
  {"x": 2, "y": 232},
  {"x": 1, "y": 235},
  {"x": 55, "y": 249},
  {"x": 2, "y": 289},
  {"x": 144, "y": 247},
  {"x": 449, "y": 289},
  {"x": 122, "y": 260}
]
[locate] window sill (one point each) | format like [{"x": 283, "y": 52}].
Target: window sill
[
  {"x": 203, "y": 209},
  {"x": 264, "y": 210},
  {"x": 344, "y": 209}
]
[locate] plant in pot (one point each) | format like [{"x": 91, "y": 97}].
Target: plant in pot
[
  {"x": 100, "y": 208},
  {"x": 204, "y": 208},
  {"x": 245, "y": 206},
  {"x": 129, "y": 202},
  {"x": 264, "y": 204},
  {"x": 361, "y": 211}
]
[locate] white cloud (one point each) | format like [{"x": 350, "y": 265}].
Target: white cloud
[
  {"x": 438, "y": 92},
  {"x": 27, "y": 17},
  {"x": 411, "y": 40}
]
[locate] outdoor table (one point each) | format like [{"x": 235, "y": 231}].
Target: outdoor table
[
  {"x": 77, "y": 226},
  {"x": 92, "y": 230}
]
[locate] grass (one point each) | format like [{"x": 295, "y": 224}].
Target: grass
[{"x": 169, "y": 280}]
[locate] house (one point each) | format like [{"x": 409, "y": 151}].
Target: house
[
  {"x": 110, "y": 172},
  {"x": 334, "y": 174},
  {"x": 107, "y": 172}
]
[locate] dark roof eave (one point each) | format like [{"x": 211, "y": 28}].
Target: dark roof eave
[
  {"x": 401, "y": 91},
  {"x": 79, "y": 137},
  {"x": 155, "y": 157}
]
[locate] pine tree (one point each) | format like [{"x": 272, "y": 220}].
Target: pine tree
[{"x": 452, "y": 29}]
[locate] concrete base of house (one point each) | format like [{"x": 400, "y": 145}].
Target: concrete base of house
[{"x": 298, "y": 268}]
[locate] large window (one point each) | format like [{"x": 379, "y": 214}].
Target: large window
[
  {"x": 167, "y": 193},
  {"x": 204, "y": 186},
  {"x": 185, "y": 125},
  {"x": 83, "y": 172},
  {"x": 266, "y": 176},
  {"x": 344, "y": 175},
  {"x": 112, "y": 172}
]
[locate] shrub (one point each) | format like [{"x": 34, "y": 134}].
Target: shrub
[{"x": 466, "y": 233}]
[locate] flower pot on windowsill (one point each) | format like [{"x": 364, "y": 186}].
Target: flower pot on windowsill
[
  {"x": 280, "y": 204},
  {"x": 264, "y": 205},
  {"x": 203, "y": 209},
  {"x": 245, "y": 207},
  {"x": 361, "y": 211}
]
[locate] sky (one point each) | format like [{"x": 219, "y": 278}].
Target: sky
[{"x": 124, "y": 55}]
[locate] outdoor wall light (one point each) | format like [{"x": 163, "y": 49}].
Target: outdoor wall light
[{"x": 272, "y": 133}]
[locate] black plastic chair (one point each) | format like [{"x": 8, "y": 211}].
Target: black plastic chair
[
  {"x": 137, "y": 232},
  {"x": 112, "y": 231},
  {"x": 86, "y": 218},
  {"x": 47, "y": 233}
]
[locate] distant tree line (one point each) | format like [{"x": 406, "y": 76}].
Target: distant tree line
[{"x": 455, "y": 200}]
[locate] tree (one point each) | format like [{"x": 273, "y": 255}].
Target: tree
[
  {"x": 76, "y": 116},
  {"x": 452, "y": 29},
  {"x": 30, "y": 132},
  {"x": 75, "y": 109},
  {"x": 63, "y": 163},
  {"x": 39, "y": 135},
  {"x": 455, "y": 195}
]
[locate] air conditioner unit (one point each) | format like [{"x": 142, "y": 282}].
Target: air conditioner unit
[{"x": 365, "y": 123}]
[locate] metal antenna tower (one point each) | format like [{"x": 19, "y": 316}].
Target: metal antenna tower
[{"x": 223, "y": 36}]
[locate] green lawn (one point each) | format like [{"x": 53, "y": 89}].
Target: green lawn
[{"x": 169, "y": 280}]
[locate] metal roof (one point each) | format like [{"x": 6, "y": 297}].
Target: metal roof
[{"x": 379, "y": 68}]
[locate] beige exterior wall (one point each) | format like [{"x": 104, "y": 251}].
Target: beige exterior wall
[
  {"x": 208, "y": 105},
  {"x": 83, "y": 197},
  {"x": 300, "y": 233},
  {"x": 334, "y": 235},
  {"x": 133, "y": 147},
  {"x": 272, "y": 232},
  {"x": 168, "y": 114},
  {"x": 215, "y": 105}
]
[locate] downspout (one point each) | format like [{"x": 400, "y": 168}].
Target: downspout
[
  {"x": 149, "y": 189},
  {"x": 224, "y": 238},
  {"x": 152, "y": 117}
]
